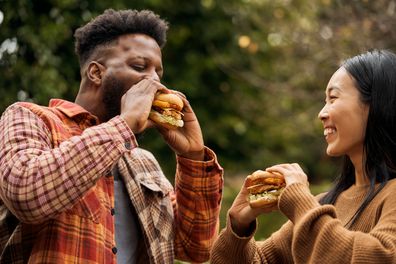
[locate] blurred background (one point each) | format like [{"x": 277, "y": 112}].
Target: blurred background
[{"x": 254, "y": 71}]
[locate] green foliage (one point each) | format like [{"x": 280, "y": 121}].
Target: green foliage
[{"x": 254, "y": 70}]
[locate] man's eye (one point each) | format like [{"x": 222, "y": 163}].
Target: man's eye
[{"x": 138, "y": 67}]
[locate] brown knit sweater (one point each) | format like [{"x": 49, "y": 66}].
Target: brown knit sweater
[{"x": 317, "y": 234}]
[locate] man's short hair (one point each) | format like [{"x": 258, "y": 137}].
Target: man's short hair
[{"x": 107, "y": 27}]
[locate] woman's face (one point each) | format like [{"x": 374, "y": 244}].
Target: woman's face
[{"x": 344, "y": 116}]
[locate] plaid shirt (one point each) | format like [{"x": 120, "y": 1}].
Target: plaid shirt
[{"x": 57, "y": 194}]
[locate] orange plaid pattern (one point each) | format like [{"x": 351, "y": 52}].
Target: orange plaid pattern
[{"x": 52, "y": 156}]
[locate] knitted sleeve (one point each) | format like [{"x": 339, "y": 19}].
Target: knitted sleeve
[
  {"x": 320, "y": 237},
  {"x": 231, "y": 248}
]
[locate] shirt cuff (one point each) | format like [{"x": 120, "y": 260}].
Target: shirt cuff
[
  {"x": 127, "y": 136},
  {"x": 204, "y": 175},
  {"x": 209, "y": 163}
]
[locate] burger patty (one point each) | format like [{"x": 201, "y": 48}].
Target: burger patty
[
  {"x": 169, "y": 112},
  {"x": 260, "y": 188}
]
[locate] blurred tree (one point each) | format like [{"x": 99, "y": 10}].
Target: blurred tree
[
  {"x": 254, "y": 70},
  {"x": 284, "y": 54}
]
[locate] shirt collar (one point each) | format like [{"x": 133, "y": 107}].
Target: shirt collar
[{"x": 72, "y": 110}]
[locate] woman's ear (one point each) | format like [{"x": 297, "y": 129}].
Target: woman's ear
[{"x": 95, "y": 72}]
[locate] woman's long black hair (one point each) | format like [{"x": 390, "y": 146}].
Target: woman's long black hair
[{"x": 374, "y": 73}]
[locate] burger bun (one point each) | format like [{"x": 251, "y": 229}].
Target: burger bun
[
  {"x": 166, "y": 110},
  {"x": 264, "y": 188}
]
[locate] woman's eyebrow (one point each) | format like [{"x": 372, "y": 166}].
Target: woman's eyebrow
[{"x": 332, "y": 88}]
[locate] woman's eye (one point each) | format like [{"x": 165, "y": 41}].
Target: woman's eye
[{"x": 332, "y": 98}]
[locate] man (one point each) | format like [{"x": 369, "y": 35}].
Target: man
[{"x": 74, "y": 185}]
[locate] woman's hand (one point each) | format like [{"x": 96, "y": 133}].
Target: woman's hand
[
  {"x": 292, "y": 172},
  {"x": 242, "y": 215}
]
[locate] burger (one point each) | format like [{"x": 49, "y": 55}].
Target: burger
[
  {"x": 264, "y": 188},
  {"x": 166, "y": 110}
]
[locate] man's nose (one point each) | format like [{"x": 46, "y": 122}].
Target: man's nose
[{"x": 153, "y": 75}]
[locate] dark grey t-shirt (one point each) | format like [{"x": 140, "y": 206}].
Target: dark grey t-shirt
[{"x": 127, "y": 230}]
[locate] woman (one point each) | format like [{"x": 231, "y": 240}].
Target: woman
[{"x": 355, "y": 222}]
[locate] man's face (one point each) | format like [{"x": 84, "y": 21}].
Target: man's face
[{"x": 133, "y": 58}]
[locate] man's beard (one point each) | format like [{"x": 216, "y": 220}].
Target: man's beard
[{"x": 113, "y": 90}]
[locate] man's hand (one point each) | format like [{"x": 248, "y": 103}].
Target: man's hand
[
  {"x": 186, "y": 141},
  {"x": 136, "y": 104}
]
